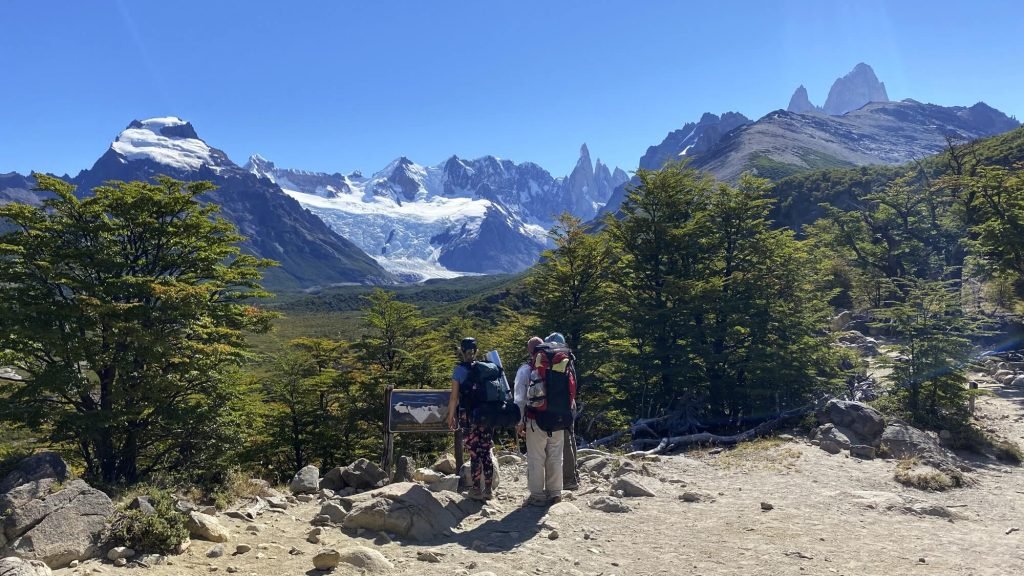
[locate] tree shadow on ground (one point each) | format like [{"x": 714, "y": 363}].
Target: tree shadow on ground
[{"x": 1015, "y": 395}]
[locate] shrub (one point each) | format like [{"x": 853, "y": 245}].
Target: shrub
[
  {"x": 159, "y": 532},
  {"x": 908, "y": 474}
]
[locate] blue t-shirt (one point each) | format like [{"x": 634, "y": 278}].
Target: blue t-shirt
[{"x": 460, "y": 374}]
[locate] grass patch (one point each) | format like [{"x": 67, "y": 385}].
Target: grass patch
[
  {"x": 927, "y": 478},
  {"x": 767, "y": 453},
  {"x": 973, "y": 439}
]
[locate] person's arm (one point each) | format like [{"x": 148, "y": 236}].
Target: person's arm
[
  {"x": 519, "y": 395},
  {"x": 453, "y": 404}
]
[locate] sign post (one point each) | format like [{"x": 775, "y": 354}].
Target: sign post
[{"x": 424, "y": 410}]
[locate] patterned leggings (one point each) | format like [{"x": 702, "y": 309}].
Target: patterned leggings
[{"x": 479, "y": 440}]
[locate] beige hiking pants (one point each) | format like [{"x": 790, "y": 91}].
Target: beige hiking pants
[{"x": 543, "y": 461}]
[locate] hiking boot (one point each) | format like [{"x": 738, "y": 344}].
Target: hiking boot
[
  {"x": 475, "y": 494},
  {"x": 535, "y": 501},
  {"x": 488, "y": 494},
  {"x": 554, "y": 500},
  {"x": 570, "y": 486}
]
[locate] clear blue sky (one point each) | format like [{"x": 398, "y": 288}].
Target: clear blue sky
[{"x": 343, "y": 85}]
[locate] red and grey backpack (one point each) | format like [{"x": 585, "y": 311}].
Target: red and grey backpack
[{"x": 552, "y": 385}]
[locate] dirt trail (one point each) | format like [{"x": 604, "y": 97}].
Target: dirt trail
[{"x": 830, "y": 515}]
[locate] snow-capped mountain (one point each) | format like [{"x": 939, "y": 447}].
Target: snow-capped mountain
[
  {"x": 276, "y": 226},
  {"x": 462, "y": 216}
]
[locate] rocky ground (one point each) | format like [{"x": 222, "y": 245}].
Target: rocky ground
[{"x": 768, "y": 508}]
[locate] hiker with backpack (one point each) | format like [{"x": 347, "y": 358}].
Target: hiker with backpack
[
  {"x": 545, "y": 390},
  {"x": 480, "y": 402},
  {"x": 570, "y": 476}
]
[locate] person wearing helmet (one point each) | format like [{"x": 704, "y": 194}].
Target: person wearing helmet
[
  {"x": 570, "y": 476},
  {"x": 479, "y": 439}
]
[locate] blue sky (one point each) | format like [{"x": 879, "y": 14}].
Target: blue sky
[{"x": 345, "y": 85}]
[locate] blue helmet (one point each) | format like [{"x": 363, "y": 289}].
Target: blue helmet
[{"x": 555, "y": 337}]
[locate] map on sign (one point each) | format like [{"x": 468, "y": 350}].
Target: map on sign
[{"x": 419, "y": 411}]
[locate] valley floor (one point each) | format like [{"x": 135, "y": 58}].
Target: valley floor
[{"x": 830, "y": 515}]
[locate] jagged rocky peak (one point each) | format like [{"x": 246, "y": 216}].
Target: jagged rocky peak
[
  {"x": 800, "y": 103},
  {"x": 855, "y": 90},
  {"x": 692, "y": 139},
  {"x": 584, "y": 154},
  {"x": 260, "y": 166}
]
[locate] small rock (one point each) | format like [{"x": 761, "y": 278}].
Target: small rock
[
  {"x": 695, "y": 497},
  {"x": 382, "y": 539},
  {"x": 121, "y": 562},
  {"x": 553, "y": 535},
  {"x": 863, "y": 451},
  {"x": 766, "y": 506},
  {"x": 242, "y": 549},
  {"x": 232, "y": 569},
  {"x": 609, "y": 504},
  {"x": 254, "y": 528},
  {"x": 432, "y": 556},
  {"x": 209, "y": 510},
  {"x": 206, "y": 527},
  {"x": 74, "y": 563},
  {"x": 445, "y": 464},
  {"x": 294, "y": 551},
  {"x": 215, "y": 552},
  {"x": 786, "y": 437},
  {"x": 631, "y": 486},
  {"x": 326, "y": 559},
  {"x": 120, "y": 552},
  {"x": 799, "y": 554},
  {"x": 369, "y": 560},
  {"x": 922, "y": 560},
  {"x": 305, "y": 498},
  {"x": 1012, "y": 530},
  {"x": 716, "y": 450}
]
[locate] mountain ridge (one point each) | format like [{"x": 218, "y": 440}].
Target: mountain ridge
[{"x": 482, "y": 215}]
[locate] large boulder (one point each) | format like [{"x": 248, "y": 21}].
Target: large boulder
[
  {"x": 14, "y": 566},
  {"x": 863, "y": 421},
  {"x": 828, "y": 433},
  {"x": 409, "y": 510},
  {"x": 306, "y": 481},
  {"x": 363, "y": 474},
  {"x": 57, "y": 527},
  {"x": 333, "y": 480},
  {"x": 45, "y": 465},
  {"x": 901, "y": 440}
]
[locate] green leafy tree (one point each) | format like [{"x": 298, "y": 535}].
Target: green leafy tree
[
  {"x": 1000, "y": 229},
  {"x": 660, "y": 241},
  {"x": 934, "y": 344},
  {"x": 720, "y": 308},
  {"x": 570, "y": 285},
  {"x": 125, "y": 309}
]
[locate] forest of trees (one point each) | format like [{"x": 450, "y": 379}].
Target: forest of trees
[{"x": 126, "y": 314}]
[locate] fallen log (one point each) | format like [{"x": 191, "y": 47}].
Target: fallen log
[
  {"x": 675, "y": 442},
  {"x": 633, "y": 429}
]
